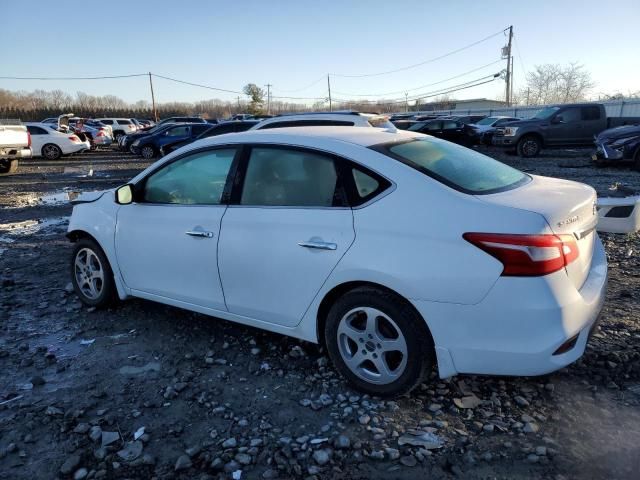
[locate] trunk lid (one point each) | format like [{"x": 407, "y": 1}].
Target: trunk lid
[{"x": 568, "y": 207}]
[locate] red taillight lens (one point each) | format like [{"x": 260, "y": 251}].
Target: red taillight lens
[
  {"x": 100, "y": 134},
  {"x": 28, "y": 139},
  {"x": 73, "y": 138},
  {"x": 527, "y": 255}
]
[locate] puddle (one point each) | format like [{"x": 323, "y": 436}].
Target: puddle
[
  {"x": 44, "y": 226},
  {"x": 131, "y": 370}
]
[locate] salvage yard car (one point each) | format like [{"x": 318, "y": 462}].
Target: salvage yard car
[
  {"x": 51, "y": 144},
  {"x": 15, "y": 144},
  {"x": 396, "y": 250},
  {"x": 618, "y": 145}
]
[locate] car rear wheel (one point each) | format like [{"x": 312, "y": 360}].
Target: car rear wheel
[
  {"x": 529, "y": 146},
  {"x": 51, "y": 151},
  {"x": 378, "y": 342},
  {"x": 91, "y": 274},
  {"x": 8, "y": 166},
  {"x": 148, "y": 152}
]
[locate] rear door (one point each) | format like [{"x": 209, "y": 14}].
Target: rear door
[
  {"x": 593, "y": 123},
  {"x": 452, "y": 131},
  {"x": 287, "y": 228},
  {"x": 174, "y": 134},
  {"x": 39, "y": 136}
]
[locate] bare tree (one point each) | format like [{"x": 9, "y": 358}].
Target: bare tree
[{"x": 553, "y": 83}]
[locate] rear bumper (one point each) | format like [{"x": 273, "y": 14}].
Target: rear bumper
[
  {"x": 12, "y": 153},
  {"x": 519, "y": 325}
]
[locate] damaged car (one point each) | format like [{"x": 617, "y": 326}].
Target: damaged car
[{"x": 618, "y": 145}]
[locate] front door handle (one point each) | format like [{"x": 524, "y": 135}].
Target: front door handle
[
  {"x": 319, "y": 245},
  {"x": 199, "y": 233}
]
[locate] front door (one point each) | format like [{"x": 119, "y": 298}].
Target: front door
[
  {"x": 166, "y": 241},
  {"x": 288, "y": 229},
  {"x": 566, "y": 127}
]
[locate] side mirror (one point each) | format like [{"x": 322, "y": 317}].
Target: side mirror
[
  {"x": 557, "y": 119},
  {"x": 124, "y": 195}
]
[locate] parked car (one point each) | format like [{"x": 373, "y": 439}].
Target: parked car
[
  {"x": 98, "y": 134},
  {"x": 567, "y": 125},
  {"x": 450, "y": 130},
  {"x": 219, "y": 129},
  {"x": 149, "y": 146},
  {"x": 15, "y": 144},
  {"x": 145, "y": 122},
  {"x": 124, "y": 142},
  {"x": 48, "y": 142},
  {"x": 482, "y": 132},
  {"x": 119, "y": 126},
  {"x": 498, "y": 271},
  {"x": 468, "y": 119},
  {"x": 330, "y": 119},
  {"x": 181, "y": 120},
  {"x": 618, "y": 145}
]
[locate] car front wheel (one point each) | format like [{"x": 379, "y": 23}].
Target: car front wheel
[
  {"x": 529, "y": 146},
  {"x": 91, "y": 274},
  {"x": 378, "y": 342}
]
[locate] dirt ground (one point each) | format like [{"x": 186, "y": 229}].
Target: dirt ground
[{"x": 148, "y": 391}]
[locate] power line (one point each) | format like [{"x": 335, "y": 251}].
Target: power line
[
  {"x": 76, "y": 78},
  {"x": 420, "y": 87},
  {"x": 453, "y": 52},
  {"x": 197, "y": 84},
  {"x": 524, "y": 69}
]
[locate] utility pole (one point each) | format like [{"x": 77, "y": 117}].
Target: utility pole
[
  {"x": 268, "y": 85},
  {"x": 406, "y": 102},
  {"x": 507, "y": 54},
  {"x": 528, "y": 91},
  {"x": 238, "y": 97},
  {"x": 329, "y": 87},
  {"x": 153, "y": 99}
]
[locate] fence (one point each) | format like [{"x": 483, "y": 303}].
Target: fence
[{"x": 614, "y": 108}]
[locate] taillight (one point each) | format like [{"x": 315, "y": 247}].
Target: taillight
[
  {"x": 527, "y": 255},
  {"x": 28, "y": 139},
  {"x": 100, "y": 134},
  {"x": 74, "y": 138}
]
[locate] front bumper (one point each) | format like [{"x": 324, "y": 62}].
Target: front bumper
[
  {"x": 605, "y": 153},
  {"x": 519, "y": 325},
  {"x": 501, "y": 141}
]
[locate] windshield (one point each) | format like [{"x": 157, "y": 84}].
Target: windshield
[
  {"x": 487, "y": 121},
  {"x": 546, "y": 112},
  {"x": 458, "y": 167}
]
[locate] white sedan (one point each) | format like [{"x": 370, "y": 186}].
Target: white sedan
[
  {"x": 396, "y": 250},
  {"x": 51, "y": 144}
]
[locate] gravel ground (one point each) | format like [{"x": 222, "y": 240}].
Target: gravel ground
[{"x": 149, "y": 391}]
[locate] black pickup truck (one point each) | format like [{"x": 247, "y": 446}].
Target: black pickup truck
[{"x": 567, "y": 125}]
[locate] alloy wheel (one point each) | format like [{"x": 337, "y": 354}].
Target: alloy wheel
[
  {"x": 89, "y": 274},
  {"x": 372, "y": 345},
  {"x": 530, "y": 147},
  {"x": 147, "y": 152},
  {"x": 51, "y": 151}
]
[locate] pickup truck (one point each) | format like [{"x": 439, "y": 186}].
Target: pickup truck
[
  {"x": 15, "y": 143},
  {"x": 568, "y": 125}
]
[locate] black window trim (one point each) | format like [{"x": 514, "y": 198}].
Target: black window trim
[
  {"x": 139, "y": 186},
  {"x": 383, "y": 148}
]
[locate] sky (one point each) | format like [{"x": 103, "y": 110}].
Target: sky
[{"x": 293, "y": 45}]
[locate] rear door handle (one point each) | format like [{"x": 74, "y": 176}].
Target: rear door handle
[
  {"x": 319, "y": 245},
  {"x": 199, "y": 233}
]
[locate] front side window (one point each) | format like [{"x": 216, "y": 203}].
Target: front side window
[
  {"x": 197, "y": 179},
  {"x": 570, "y": 115},
  {"x": 460, "y": 168},
  {"x": 546, "y": 113},
  {"x": 449, "y": 125},
  {"x": 287, "y": 177}
]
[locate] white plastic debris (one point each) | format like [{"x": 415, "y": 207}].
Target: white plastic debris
[
  {"x": 619, "y": 214},
  {"x": 237, "y": 474},
  {"x": 138, "y": 433},
  {"x": 87, "y": 342}
]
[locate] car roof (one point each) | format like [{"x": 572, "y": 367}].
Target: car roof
[{"x": 363, "y": 136}]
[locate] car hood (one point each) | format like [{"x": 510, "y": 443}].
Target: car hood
[
  {"x": 88, "y": 197},
  {"x": 619, "y": 132}
]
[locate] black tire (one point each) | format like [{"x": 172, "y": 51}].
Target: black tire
[
  {"x": 8, "y": 166},
  {"x": 636, "y": 160},
  {"x": 51, "y": 151},
  {"x": 420, "y": 351},
  {"x": 107, "y": 289},
  {"x": 117, "y": 135},
  {"x": 148, "y": 152},
  {"x": 529, "y": 146}
]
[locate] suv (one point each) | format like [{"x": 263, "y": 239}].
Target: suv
[
  {"x": 182, "y": 120},
  {"x": 149, "y": 146},
  {"x": 119, "y": 126},
  {"x": 326, "y": 119}
]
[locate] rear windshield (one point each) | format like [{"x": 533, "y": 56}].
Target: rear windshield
[{"x": 458, "y": 167}]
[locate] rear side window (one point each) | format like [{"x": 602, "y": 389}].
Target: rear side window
[
  {"x": 309, "y": 123},
  {"x": 366, "y": 185},
  {"x": 198, "y": 129},
  {"x": 124, "y": 122},
  {"x": 591, "y": 113},
  {"x": 33, "y": 130},
  {"x": 457, "y": 167},
  {"x": 107, "y": 122},
  {"x": 288, "y": 177},
  {"x": 178, "y": 131},
  {"x": 449, "y": 125}
]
